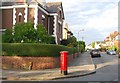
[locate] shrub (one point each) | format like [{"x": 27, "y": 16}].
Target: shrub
[
  {"x": 34, "y": 49},
  {"x": 7, "y": 36},
  {"x": 70, "y": 42},
  {"x": 64, "y": 42},
  {"x": 25, "y": 33},
  {"x": 81, "y": 45}
]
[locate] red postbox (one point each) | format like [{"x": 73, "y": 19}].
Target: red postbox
[{"x": 63, "y": 62}]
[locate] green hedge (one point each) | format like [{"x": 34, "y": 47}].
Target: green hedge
[{"x": 34, "y": 49}]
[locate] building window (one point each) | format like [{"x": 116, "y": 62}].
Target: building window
[
  {"x": 43, "y": 20},
  {"x": 20, "y": 17}
]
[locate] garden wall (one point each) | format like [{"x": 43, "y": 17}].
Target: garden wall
[{"x": 34, "y": 63}]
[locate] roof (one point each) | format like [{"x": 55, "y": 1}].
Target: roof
[
  {"x": 13, "y": 2},
  {"x": 98, "y": 42},
  {"x": 52, "y": 7},
  {"x": 114, "y": 34},
  {"x": 8, "y": 3}
]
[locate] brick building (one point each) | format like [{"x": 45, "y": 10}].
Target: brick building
[{"x": 51, "y": 15}]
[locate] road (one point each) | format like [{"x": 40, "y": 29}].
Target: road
[{"x": 106, "y": 69}]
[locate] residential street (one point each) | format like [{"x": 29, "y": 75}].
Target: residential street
[
  {"x": 106, "y": 69},
  {"x": 60, "y": 40}
]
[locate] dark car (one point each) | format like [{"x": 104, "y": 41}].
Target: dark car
[
  {"x": 95, "y": 53},
  {"x": 119, "y": 55}
]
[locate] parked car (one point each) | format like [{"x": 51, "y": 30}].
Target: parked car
[
  {"x": 107, "y": 51},
  {"x": 118, "y": 54},
  {"x": 95, "y": 53},
  {"x": 111, "y": 52}
]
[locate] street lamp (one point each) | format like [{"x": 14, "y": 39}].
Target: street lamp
[
  {"x": 78, "y": 38},
  {"x": 79, "y": 32}
]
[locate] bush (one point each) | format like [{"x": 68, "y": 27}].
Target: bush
[
  {"x": 70, "y": 42},
  {"x": 81, "y": 46},
  {"x": 64, "y": 42},
  {"x": 25, "y": 33},
  {"x": 7, "y": 36},
  {"x": 34, "y": 49}
]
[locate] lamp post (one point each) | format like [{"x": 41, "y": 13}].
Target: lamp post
[
  {"x": 78, "y": 38},
  {"x": 79, "y": 32}
]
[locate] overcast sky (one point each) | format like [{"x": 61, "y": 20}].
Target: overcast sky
[{"x": 97, "y": 17}]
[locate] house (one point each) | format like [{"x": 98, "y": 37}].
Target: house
[
  {"x": 99, "y": 44},
  {"x": 66, "y": 32},
  {"x": 51, "y": 15},
  {"x": 113, "y": 39},
  {"x": 108, "y": 41},
  {"x": 117, "y": 41},
  {"x": 89, "y": 46}
]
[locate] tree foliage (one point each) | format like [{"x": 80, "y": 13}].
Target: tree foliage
[
  {"x": 70, "y": 42},
  {"x": 81, "y": 46},
  {"x": 93, "y": 44},
  {"x": 25, "y": 33},
  {"x": 7, "y": 36}
]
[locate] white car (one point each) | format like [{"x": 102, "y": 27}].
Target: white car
[{"x": 111, "y": 52}]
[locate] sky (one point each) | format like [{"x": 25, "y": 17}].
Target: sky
[{"x": 98, "y": 18}]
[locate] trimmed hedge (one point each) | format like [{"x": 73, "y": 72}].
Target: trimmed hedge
[{"x": 34, "y": 49}]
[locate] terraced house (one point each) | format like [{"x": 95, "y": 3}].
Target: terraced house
[{"x": 51, "y": 15}]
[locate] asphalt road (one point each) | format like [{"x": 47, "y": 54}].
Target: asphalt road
[{"x": 106, "y": 69}]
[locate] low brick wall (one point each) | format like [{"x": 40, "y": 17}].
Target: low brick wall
[
  {"x": 33, "y": 63},
  {"x": 27, "y": 62}
]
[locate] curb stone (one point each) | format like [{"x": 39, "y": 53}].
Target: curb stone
[{"x": 75, "y": 75}]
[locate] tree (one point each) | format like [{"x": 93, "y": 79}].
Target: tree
[
  {"x": 25, "y": 33},
  {"x": 43, "y": 36},
  {"x": 64, "y": 42},
  {"x": 93, "y": 44},
  {"x": 81, "y": 46},
  {"x": 7, "y": 36},
  {"x": 70, "y": 42}
]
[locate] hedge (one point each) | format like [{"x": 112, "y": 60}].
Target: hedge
[{"x": 34, "y": 49}]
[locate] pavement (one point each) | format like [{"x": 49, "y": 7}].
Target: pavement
[{"x": 80, "y": 66}]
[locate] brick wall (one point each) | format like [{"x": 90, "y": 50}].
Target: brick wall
[{"x": 16, "y": 62}]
